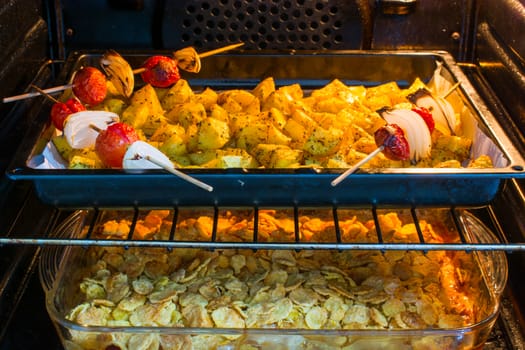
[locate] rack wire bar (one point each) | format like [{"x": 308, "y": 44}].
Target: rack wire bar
[
  {"x": 175, "y": 240},
  {"x": 267, "y": 245}
]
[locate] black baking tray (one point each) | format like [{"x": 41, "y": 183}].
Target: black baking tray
[{"x": 385, "y": 186}]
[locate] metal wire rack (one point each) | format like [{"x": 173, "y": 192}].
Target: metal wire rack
[{"x": 79, "y": 229}]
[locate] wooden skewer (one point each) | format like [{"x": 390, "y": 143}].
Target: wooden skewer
[
  {"x": 180, "y": 174},
  {"x": 49, "y": 91},
  {"x": 202, "y": 55},
  {"x": 351, "y": 170},
  {"x": 451, "y": 90},
  {"x": 219, "y": 50},
  {"x": 43, "y": 93},
  {"x": 139, "y": 70}
]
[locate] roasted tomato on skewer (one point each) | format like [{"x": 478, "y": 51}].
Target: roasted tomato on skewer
[
  {"x": 415, "y": 130},
  {"x": 89, "y": 85},
  {"x": 160, "y": 71},
  {"x": 427, "y": 117},
  {"x": 61, "y": 110},
  {"x": 112, "y": 143},
  {"x": 392, "y": 138}
]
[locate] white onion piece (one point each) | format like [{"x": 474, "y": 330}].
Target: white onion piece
[
  {"x": 441, "y": 110},
  {"x": 448, "y": 112},
  {"x": 432, "y": 105},
  {"x": 78, "y": 131},
  {"x": 142, "y": 155},
  {"x": 137, "y": 153},
  {"x": 415, "y": 129}
]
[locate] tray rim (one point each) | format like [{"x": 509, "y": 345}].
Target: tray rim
[{"x": 19, "y": 170}]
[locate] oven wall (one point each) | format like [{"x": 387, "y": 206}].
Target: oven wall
[
  {"x": 500, "y": 54},
  {"x": 301, "y": 24},
  {"x": 23, "y": 48}
]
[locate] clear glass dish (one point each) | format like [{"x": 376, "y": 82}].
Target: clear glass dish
[{"x": 63, "y": 269}]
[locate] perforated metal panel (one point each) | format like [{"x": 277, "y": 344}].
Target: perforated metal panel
[{"x": 276, "y": 24}]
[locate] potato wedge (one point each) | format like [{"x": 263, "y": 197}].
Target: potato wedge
[
  {"x": 264, "y": 89},
  {"x": 187, "y": 114},
  {"x": 323, "y": 142},
  {"x": 179, "y": 93},
  {"x": 213, "y": 134},
  {"x": 277, "y": 156}
]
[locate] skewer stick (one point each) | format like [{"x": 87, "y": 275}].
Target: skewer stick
[
  {"x": 180, "y": 174},
  {"x": 202, "y": 55},
  {"x": 139, "y": 70},
  {"x": 351, "y": 170},
  {"x": 451, "y": 90},
  {"x": 43, "y": 93},
  {"x": 219, "y": 50},
  {"x": 49, "y": 91}
]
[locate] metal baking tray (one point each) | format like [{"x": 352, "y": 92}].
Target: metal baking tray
[{"x": 312, "y": 69}]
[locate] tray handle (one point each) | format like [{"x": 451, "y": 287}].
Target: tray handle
[
  {"x": 493, "y": 263},
  {"x": 52, "y": 255}
]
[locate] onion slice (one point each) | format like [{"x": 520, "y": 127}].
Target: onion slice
[
  {"x": 142, "y": 155},
  {"x": 78, "y": 127},
  {"x": 441, "y": 109},
  {"x": 415, "y": 129},
  {"x": 137, "y": 153},
  {"x": 119, "y": 72}
]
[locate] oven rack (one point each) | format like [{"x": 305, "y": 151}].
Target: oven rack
[{"x": 461, "y": 219}]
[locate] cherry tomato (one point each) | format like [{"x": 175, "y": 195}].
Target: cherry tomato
[
  {"x": 427, "y": 117},
  {"x": 393, "y": 139},
  {"x": 89, "y": 86},
  {"x": 60, "y": 111},
  {"x": 111, "y": 144},
  {"x": 160, "y": 71}
]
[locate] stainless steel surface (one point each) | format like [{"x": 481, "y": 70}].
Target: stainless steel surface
[{"x": 396, "y": 7}]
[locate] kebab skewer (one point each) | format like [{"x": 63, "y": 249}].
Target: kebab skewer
[
  {"x": 406, "y": 136},
  {"x": 89, "y": 86},
  {"x": 122, "y": 76},
  {"x": 158, "y": 71},
  {"x": 118, "y": 145}
]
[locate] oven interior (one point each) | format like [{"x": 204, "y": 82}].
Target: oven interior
[{"x": 38, "y": 36}]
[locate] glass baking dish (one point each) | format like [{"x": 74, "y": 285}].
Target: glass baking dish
[{"x": 483, "y": 273}]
